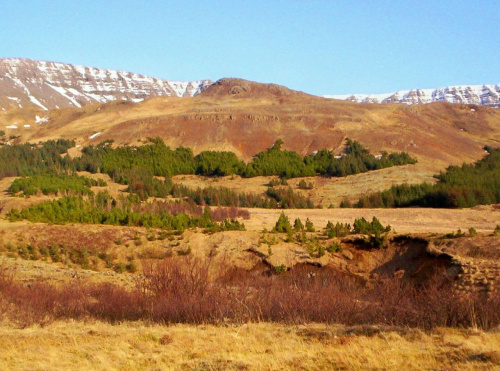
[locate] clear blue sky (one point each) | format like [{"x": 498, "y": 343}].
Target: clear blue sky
[{"x": 320, "y": 47}]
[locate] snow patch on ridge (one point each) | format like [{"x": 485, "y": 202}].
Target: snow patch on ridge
[
  {"x": 486, "y": 95},
  {"x": 41, "y": 120},
  {"x": 78, "y": 85},
  {"x": 37, "y": 102},
  {"x": 63, "y": 92}
]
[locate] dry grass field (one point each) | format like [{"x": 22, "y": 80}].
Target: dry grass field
[
  {"x": 410, "y": 220},
  {"x": 326, "y": 191},
  {"x": 252, "y": 346}
]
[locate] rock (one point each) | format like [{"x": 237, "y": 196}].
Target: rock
[
  {"x": 399, "y": 274},
  {"x": 347, "y": 254}
]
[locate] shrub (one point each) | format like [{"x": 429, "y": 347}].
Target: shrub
[
  {"x": 131, "y": 267},
  {"x": 377, "y": 241},
  {"x": 496, "y": 232},
  {"x": 184, "y": 252},
  {"x": 277, "y": 182},
  {"x": 120, "y": 267},
  {"x": 226, "y": 225},
  {"x": 362, "y": 226},
  {"x": 189, "y": 290},
  {"x": 297, "y": 225},
  {"x": 334, "y": 247},
  {"x": 345, "y": 203},
  {"x": 283, "y": 224},
  {"x": 304, "y": 185},
  {"x": 375, "y": 231},
  {"x": 458, "y": 234},
  {"x": 279, "y": 269},
  {"x": 309, "y": 226},
  {"x": 337, "y": 230}
]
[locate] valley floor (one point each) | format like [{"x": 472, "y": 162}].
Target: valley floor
[{"x": 252, "y": 346}]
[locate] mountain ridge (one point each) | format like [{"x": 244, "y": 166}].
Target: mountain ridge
[
  {"x": 482, "y": 95},
  {"x": 34, "y": 84},
  {"x": 27, "y": 83}
]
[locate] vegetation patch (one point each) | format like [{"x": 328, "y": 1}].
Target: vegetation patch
[
  {"x": 104, "y": 209},
  {"x": 457, "y": 187},
  {"x": 184, "y": 289},
  {"x": 56, "y": 184}
]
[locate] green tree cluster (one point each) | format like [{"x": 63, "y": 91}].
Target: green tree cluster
[
  {"x": 337, "y": 230},
  {"x": 50, "y": 183},
  {"x": 283, "y": 224},
  {"x": 275, "y": 161},
  {"x": 29, "y": 159},
  {"x": 356, "y": 159},
  {"x": 101, "y": 208}
]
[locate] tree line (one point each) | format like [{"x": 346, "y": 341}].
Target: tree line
[
  {"x": 140, "y": 167},
  {"x": 160, "y": 160},
  {"x": 29, "y": 159},
  {"x": 101, "y": 208},
  {"x": 57, "y": 184}
]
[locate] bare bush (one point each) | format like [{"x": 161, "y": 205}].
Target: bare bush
[{"x": 190, "y": 290}]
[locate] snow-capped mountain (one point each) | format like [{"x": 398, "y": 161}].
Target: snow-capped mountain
[
  {"x": 47, "y": 85},
  {"x": 484, "y": 95}
]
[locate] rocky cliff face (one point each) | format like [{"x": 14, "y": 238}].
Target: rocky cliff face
[
  {"x": 28, "y": 83},
  {"x": 483, "y": 95}
]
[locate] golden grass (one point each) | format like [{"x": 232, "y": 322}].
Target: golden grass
[
  {"x": 409, "y": 220},
  {"x": 252, "y": 346}
]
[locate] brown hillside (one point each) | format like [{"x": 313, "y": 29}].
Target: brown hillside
[
  {"x": 241, "y": 88},
  {"x": 247, "y": 117}
]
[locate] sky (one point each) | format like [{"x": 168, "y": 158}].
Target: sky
[{"x": 319, "y": 47}]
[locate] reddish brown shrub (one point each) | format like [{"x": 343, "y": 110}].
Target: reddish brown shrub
[{"x": 190, "y": 290}]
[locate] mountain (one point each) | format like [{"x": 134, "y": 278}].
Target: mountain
[
  {"x": 26, "y": 83},
  {"x": 246, "y": 117},
  {"x": 482, "y": 95}
]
